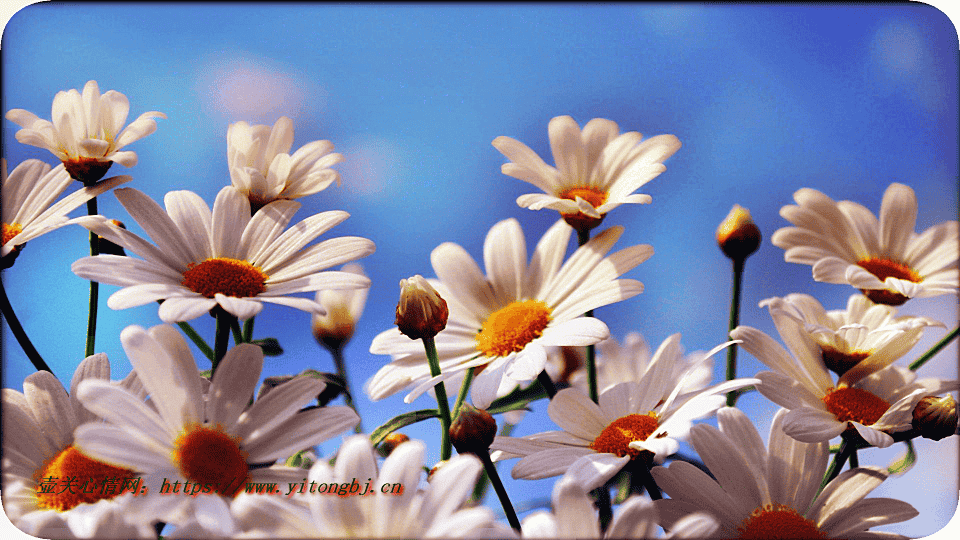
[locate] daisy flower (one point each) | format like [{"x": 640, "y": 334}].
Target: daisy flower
[
  {"x": 503, "y": 320},
  {"x": 871, "y": 396},
  {"x": 262, "y": 168},
  {"x": 343, "y": 308},
  {"x": 632, "y": 420},
  {"x": 386, "y": 503},
  {"x": 87, "y": 131},
  {"x": 27, "y": 197},
  {"x": 50, "y": 488},
  {"x": 212, "y": 443},
  {"x": 225, "y": 257},
  {"x": 890, "y": 263},
  {"x": 771, "y": 493},
  {"x": 596, "y": 170}
]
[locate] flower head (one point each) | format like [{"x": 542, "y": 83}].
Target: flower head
[
  {"x": 343, "y": 308},
  {"x": 421, "y": 313},
  {"x": 737, "y": 235},
  {"x": 596, "y": 170}
]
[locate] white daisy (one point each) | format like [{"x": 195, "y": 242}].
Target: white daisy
[
  {"x": 211, "y": 443},
  {"x": 386, "y": 503},
  {"x": 890, "y": 263},
  {"x": 632, "y": 421},
  {"x": 262, "y": 167},
  {"x": 27, "y": 197},
  {"x": 343, "y": 308},
  {"x": 762, "y": 493},
  {"x": 50, "y": 488},
  {"x": 224, "y": 257},
  {"x": 596, "y": 170},
  {"x": 87, "y": 131},
  {"x": 503, "y": 320}
]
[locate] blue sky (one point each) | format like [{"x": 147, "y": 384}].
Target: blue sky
[{"x": 766, "y": 99}]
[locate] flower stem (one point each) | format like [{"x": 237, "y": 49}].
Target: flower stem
[
  {"x": 640, "y": 470},
  {"x": 14, "y": 323},
  {"x": 443, "y": 407},
  {"x": 846, "y": 449},
  {"x": 604, "y": 507},
  {"x": 237, "y": 334},
  {"x": 734, "y": 322},
  {"x": 94, "y": 286},
  {"x": 337, "y": 353},
  {"x": 494, "y": 477},
  {"x": 583, "y": 236},
  {"x": 464, "y": 388},
  {"x": 934, "y": 350},
  {"x": 222, "y": 337},
  {"x": 248, "y": 330},
  {"x": 196, "y": 339},
  {"x": 547, "y": 383}
]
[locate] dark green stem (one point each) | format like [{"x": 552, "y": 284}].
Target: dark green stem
[
  {"x": 94, "y": 286},
  {"x": 237, "y": 334},
  {"x": 341, "y": 366},
  {"x": 934, "y": 350},
  {"x": 196, "y": 339},
  {"x": 443, "y": 407},
  {"x": 547, "y": 384},
  {"x": 464, "y": 389},
  {"x": 846, "y": 449},
  {"x": 734, "y": 322},
  {"x": 640, "y": 472},
  {"x": 18, "y": 332},
  {"x": 248, "y": 330},
  {"x": 494, "y": 477},
  {"x": 604, "y": 506},
  {"x": 583, "y": 236},
  {"x": 222, "y": 337}
]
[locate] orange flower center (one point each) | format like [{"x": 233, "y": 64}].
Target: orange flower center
[
  {"x": 593, "y": 196},
  {"x": 855, "y": 405},
  {"x": 616, "y": 438},
  {"x": 87, "y": 170},
  {"x": 71, "y": 478},
  {"x": 230, "y": 277},
  {"x": 884, "y": 268},
  {"x": 509, "y": 329},
  {"x": 841, "y": 362},
  {"x": 776, "y": 522},
  {"x": 9, "y": 231},
  {"x": 211, "y": 458}
]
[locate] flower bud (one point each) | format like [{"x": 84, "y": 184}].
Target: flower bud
[
  {"x": 335, "y": 328},
  {"x": 391, "y": 442},
  {"x": 936, "y": 417},
  {"x": 737, "y": 235},
  {"x": 107, "y": 247},
  {"x": 473, "y": 431},
  {"x": 421, "y": 312}
]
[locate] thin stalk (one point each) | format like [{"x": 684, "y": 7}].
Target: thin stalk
[
  {"x": 443, "y": 407},
  {"x": 734, "y": 322},
  {"x": 248, "y": 330},
  {"x": 222, "y": 337},
  {"x": 337, "y": 353},
  {"x": 464, "y": 389},
  {"x": 604, "y": 507},
  {"x": 196, "y": 339},
  {"x": 547, "y": 384},
  {"x": 934, "y": 350},
  {"x": 846, "y": 449},
  {"x": 94, "y": 286},
  {"x": 237, "y": 334},
  {"x": 640, "y": 474},
  {"x": 583, "y": 236},
  {"x": 14, "y": 323},
  {"x": 494, "y": 477}
]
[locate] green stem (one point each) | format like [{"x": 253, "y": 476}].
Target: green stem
[
  {"x": 237, "y": 334},
  {"x": 734, "y": 322},
  {"x": 222, "y": 337},
  {"x": 547, "y": 384},
  {"x": 248, "y": 330},
  {"x": 443, "y": 407},
  {"x": 494, "y": 477},
  {"x": 464, "y": 389},
  {"x": 934, "y": 350},
  {"x": 640, "y": 470},
  {"x": 846, "y": 449},
  {"x": 583, "y": 236},
  {"x": 604, "y": 507},
  {"x": 94, "y": 286},
  {"x": 337, "y": 353},
  {"x": 196, "y": 339},
  {"x": 14, "y": 323}
]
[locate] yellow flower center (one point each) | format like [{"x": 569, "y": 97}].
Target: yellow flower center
[
  {"x": 778, "y": 522},
  {"x": 71, "y": 478},
  {"x": 593, "y": 196},
  {"x": 884, "y": 268},
  {"x": 840, "y": 362},
  {"x": 230, "y": 277},
  {"x": 855, "y": 405},
  {"x": 9, "y": 231},
  {"x": 616, "y": 438},
  {"x": 211, "y": 458},
  {"x": 509, "y": 329}
]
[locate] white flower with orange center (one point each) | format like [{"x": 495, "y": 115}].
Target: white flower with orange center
[
  {"x": 770, "y": 493},
  {"x": 225, "y": 257},
  {"x": 503, "y": 321},
  {"x": 596, "y": 170},
  {"x": 871, "y": 396},
  {"x": 890, "y": 263},
  {"x": 633, "y": 420},
  {"x": 86, "y": 132},
  {"x": 212, "y": 443},
  {"x": 262, "y": 167},
  {"x": 28, "y": 195},
  {"x": 50, "y": 488}
]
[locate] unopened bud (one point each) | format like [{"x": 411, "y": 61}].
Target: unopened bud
[
  {"x": 107, "y": 247},
  {"x": 936, "y": 417},
  {"x": 343, "y": 307},
  {"x": 473, "y": 431},
  {"x": 421, "y": 312},
  {"x": 737, "y": 235},
  {"x": 391, "y": 442}
]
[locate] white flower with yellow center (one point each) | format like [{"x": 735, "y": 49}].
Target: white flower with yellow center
[
  {"x": 211, "y": 443},
  {"x": 633, "y": 420},
  {"x": 50, "y": 488},
  {"x": 596, "y": 170},
  {"x": 262, "y": 167},
  {"x": 503, "y": 321},
  {"x": 86, "y": 132},
  {"x": 225, "y": 257},
  {"x": 387, "y": 502},
  {"x": 28, "y": 195},
  {"x": 771, "y": 494},
  {"x": 890, "y": 263}
]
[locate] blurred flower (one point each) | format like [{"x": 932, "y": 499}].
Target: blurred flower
[
  {"x": 224, "y": 257},
  {"x": 634, "y": 420},
  {"x": 27, "y": 197},
  {"x": 50, "y": 488},
  {"x": 262, "y": 168},
  {"x": 737, "y": 235},
  {"x": 772, "y": 492},
  {"x": 885, "y": 259},
  {"x": 211, "y": 440},
  {"x": 343, "y": 308},
  {"x": 87, "y": 131},
  {"x": 596, "y": 170},
  {"x": 421, "y": 312},
  {"x": 504, "y": 320},
  {"x": 395, "y": 506}
]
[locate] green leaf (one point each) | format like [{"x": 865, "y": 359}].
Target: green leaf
[
  {"x": 270, "y": 346},
  {"x": 400, "y": 421},
  {"x": 905, "y": 463}
]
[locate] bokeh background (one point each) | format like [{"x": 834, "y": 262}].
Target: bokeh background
[{"x": 765, "y": 98}]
